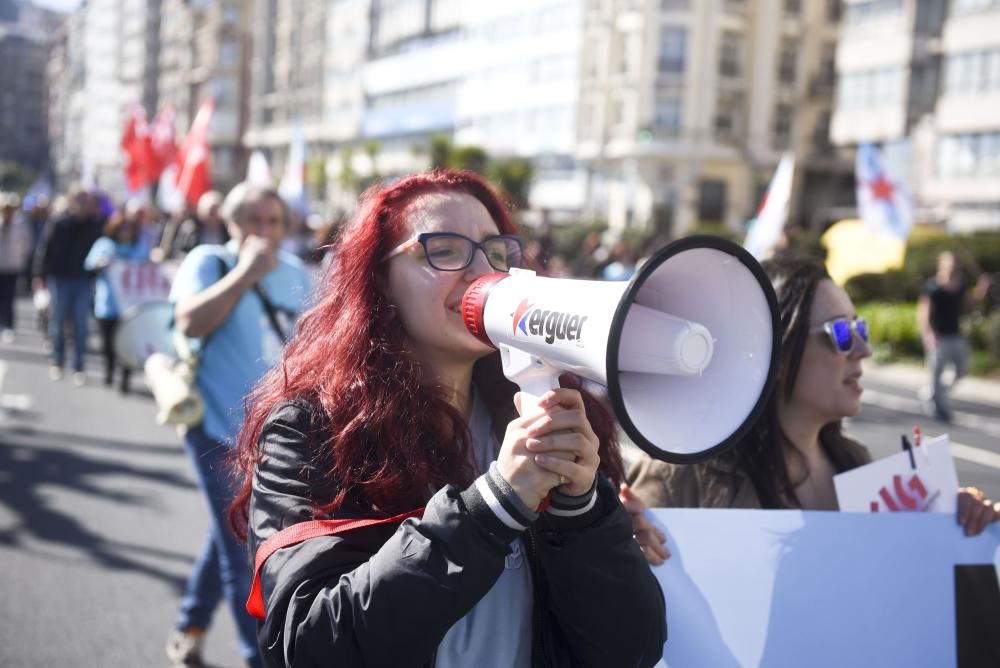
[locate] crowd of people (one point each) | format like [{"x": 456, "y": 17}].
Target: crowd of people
[
  {"x": 387, "y": 482},
  {"x": 60, "y": 249}
]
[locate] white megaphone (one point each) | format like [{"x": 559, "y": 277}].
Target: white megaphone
[{"x": 688, "y": 349}]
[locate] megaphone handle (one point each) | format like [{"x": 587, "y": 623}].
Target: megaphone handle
[
  {"x": 532, "y": 374},
  {"x": 533, "y": 388}
]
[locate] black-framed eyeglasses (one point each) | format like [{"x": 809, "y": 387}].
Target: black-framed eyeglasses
[
  {"x": 451, "y": 251},
  {"x": 842, "y": 331}
]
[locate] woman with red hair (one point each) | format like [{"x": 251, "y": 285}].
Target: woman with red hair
[{"x": 518, "y": 551}]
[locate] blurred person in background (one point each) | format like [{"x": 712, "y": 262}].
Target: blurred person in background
[
  {"x": 240, "y": 299},
  {"x": 589, "y": 256},
  {"x": 37, "y": 218},
  {"x": 621, "y": 264},
  {"x": 59, "y": 266},
  {"x": 15, "y": 249},
  {"x": 121, "y": 242},
  {"x": 939, "y": 311},
  {"x": 206, "y": 226}
]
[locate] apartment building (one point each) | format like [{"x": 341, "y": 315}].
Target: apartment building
[
  {"x": 205, "y": 53},
  {"x": 921, "y": 78},
  {"x": 686, "y": 107},
  {"x": 518, "y": 97},
  {"x": 307, "y": 68},
  {"x": 24, "y": 31}
]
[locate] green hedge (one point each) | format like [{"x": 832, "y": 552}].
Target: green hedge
[
  {"x": 893, "y": 330},
  {"x": 895, "y": 335},
  {"x": 974, "y": 251}
]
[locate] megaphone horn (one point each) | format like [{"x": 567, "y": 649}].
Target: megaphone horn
[{"x": 688, "y": 349}]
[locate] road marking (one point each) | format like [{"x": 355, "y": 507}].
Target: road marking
[
  {"x": 975, "y": 455},
  {"x": 916, "y": 407}
]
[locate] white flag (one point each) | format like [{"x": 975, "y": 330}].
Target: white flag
[
  {"x": 765, "y": 229},
  {"x": 258, "y": 171},
  {"x": 168, "y": 197},
  {"x": 884, "y": 203},
  {"x": 292, "y": 188}
]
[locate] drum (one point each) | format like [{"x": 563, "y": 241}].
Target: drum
[{"x": 145, "y": 329}]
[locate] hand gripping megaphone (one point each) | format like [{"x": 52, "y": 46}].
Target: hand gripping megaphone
[{"x": 688, "y": 348}]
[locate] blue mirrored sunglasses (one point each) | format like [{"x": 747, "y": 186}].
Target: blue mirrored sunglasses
[{"x": 841, "y": 333}]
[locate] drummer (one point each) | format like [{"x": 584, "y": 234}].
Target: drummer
[{"x": 121, "y": 241}]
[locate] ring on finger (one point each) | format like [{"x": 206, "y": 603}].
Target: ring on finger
[{"x": 563, "y": 479}]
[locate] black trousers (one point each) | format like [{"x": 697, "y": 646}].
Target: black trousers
[
  {"x": 8, "y": 286},
  {"x": 108, "y": 329}
]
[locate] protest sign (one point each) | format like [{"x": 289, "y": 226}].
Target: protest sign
[
  {"x": 793, "y": 588},
  {"x": 134, "y": 283},
  {"x": 925, "y": 481}
]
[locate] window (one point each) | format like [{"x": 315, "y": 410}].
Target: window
[
  {"x": 668, "y": 114},
  {"x": 730, "y": 55},
  {"x": 870, "y": 89},
  {"x": 821, "y": 133},
  {"x": 724, "y": 122},
  {"x": 673, "y": 48},
  {"x": 229, "y": 54},
  {"x": 828, "y": 64},
  {"x": 872, "y": 10},
  {"x": 788, "y": 61},
  {"x": 973, "y": 72},
  {"x": 833, "y": 10},
  {"x": 969, "y": 156},
  {"x": 969, "y": 6},
  {"x": 781, "y": 128},
  {"x": 711, "y": 201}
]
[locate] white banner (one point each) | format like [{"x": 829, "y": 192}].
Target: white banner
[
  {"x": 134, "y": 283},
  {"x": 792, "y": 588}
]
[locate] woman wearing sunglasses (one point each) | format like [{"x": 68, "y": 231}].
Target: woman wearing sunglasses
[
  {"x": 514, "y": 550},
  {"x": 790, "y": 456}
]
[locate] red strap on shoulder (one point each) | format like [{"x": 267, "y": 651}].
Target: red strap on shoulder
[{"x": 300, "y": 532}]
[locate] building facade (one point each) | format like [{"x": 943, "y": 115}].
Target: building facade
[
  {"x": 687, "y": 106},
  {"x": 921, "y": 78},
  {"x": 204, "y": 54},
  {"x": 24, "y": 143}
]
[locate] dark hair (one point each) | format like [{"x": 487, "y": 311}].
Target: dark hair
[
  {"x": 761, "y": 454},
  {"x": 115, "y": 223},
  {"x": 382, "y": 435}
]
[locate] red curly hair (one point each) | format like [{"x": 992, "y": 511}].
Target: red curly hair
[{"x": 381, "y": 429}]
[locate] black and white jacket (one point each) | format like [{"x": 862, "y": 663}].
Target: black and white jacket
[{"x": 385, "y": 595}]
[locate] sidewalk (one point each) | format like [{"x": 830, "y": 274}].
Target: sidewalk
[{"x": 973, "y": 390}]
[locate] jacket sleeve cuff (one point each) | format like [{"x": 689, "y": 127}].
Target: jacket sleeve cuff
[
  {"x": 493, "y": 502},
  {"x": 564, "y": 505},
  {"x": 575, "y": 512}
]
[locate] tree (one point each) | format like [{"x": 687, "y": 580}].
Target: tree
[{"x": 513, "y": 175}]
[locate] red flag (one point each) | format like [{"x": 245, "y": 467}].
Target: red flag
[
  {"x": 135, "y": 143},
  {"x": 163, "y": 145},
  {"x": 193, "y": 159}
]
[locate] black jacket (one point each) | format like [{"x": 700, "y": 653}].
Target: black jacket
[
  {"x": 386, "y": 595},
  {"x": 65, "y": 243}
]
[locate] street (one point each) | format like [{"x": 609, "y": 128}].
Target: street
[{"x": 100, "y": 518}]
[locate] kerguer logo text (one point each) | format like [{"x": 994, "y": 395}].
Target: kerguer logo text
[{"x": 552, "y": 325}]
